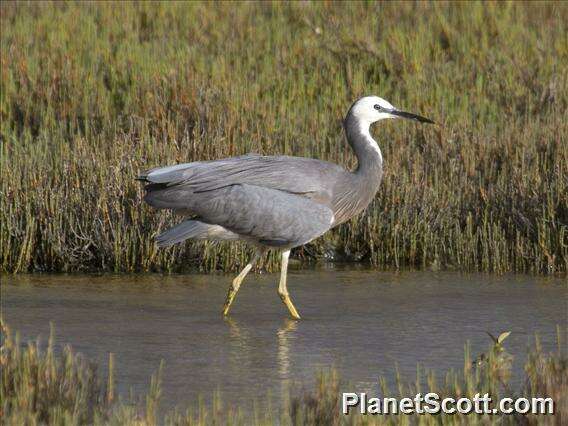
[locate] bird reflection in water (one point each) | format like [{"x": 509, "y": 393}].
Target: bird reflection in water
[
  {"x": 285, "y": 336},
  {"x": 240, "y": 337}
]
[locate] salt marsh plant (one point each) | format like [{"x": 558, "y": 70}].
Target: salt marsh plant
[
  {"x": 40, "y": 387},
  {"x": 90, "y": 94}
]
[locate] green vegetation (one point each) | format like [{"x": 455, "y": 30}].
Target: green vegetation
[
  {"x": 39, "y": 387},
  {"x": 93, "y": 93}
]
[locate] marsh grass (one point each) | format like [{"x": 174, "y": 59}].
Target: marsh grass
[
  {"x": 40, "y": 387},
  {"x": 91, "y": 94}
]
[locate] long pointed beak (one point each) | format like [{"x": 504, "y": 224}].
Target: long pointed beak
[{"x": 410, "y": 116}]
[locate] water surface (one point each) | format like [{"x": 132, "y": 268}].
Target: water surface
[{"x": 364, "y": 323}]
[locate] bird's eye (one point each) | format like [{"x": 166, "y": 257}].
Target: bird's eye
[{"x": 377, "y": 107}]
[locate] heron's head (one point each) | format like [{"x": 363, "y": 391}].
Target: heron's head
[{"x": 371, "y": 109}]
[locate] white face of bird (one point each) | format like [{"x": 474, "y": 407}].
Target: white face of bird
[{"x": 371, "y": 109}]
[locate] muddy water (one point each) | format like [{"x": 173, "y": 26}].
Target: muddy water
[{"x": 363, "y": 323}]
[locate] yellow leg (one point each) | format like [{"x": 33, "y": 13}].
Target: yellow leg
[
  {"x": 234, "y": 288},
  {"x": 282, "y": 290}
]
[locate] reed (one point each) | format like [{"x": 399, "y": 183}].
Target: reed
[
  {"x": 39, "y": 387},
  {"x": 91, "y": 94}
]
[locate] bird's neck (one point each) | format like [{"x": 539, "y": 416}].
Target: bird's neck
[
  {"x": 360, "y": 187},
  {"x": 366, "y": 149}
]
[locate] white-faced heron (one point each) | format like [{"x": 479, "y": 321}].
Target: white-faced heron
[{"x": 272, "y": 202}]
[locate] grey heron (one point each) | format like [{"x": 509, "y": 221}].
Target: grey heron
[{"x": 272, "y": 202}]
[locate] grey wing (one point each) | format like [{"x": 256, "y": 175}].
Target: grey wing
[
  {"x": 309, "y": 177},
  {"x": 268, "y": 216}
]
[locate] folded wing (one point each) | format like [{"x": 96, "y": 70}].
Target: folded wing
[
  {"x": 304, "y": 176},
  {"x": 268, "y": 216}
]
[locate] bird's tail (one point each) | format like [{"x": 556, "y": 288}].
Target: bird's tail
[{"x": 195, "y": 230}]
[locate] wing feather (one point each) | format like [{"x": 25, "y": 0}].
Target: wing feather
[
  {"x": 296, "y": 175},
  {"x": 269, "y": 216}
]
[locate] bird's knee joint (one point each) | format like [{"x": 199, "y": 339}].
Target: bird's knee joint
[{"x": 283, "y": 294}]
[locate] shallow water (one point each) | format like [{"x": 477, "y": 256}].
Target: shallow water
[{"x": 364, "y": 323}]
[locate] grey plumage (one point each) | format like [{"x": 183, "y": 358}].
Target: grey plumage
[
  {"x": 256, "y": 213},
  {"x": 195, "y": 230},
  {"x": 272, "y": 201}
]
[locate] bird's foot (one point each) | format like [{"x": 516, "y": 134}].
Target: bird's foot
[
  {"x": 227, "y": 305},
  {"x": 229, "y": 301},
  {"x": 288, "y": 302}
]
